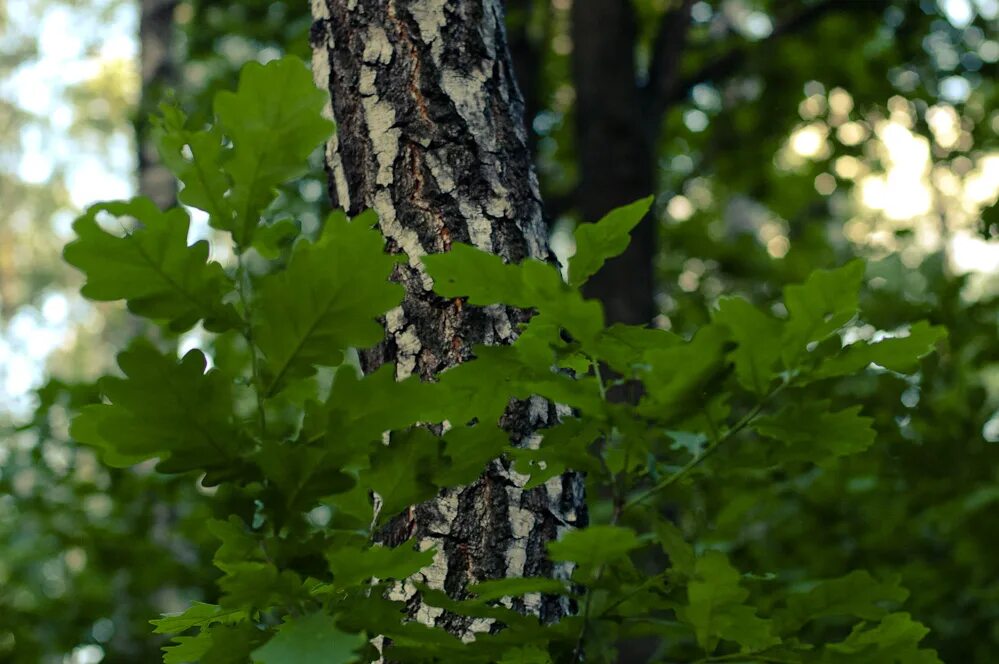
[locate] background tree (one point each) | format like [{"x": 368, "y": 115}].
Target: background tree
[{"x": 158, "y": 69}]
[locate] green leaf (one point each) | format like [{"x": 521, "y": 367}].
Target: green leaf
[
  {"x": 163, "y": 408},
  {"x": 488, "y": 591},
  {"x": 215, "y": 644},
  {"x": 351, "y": 566},
  {"x": 857, "y": 594},
  {"x": 269, "y": 240},
  {"x": 827, "y": 301},
  {"x": 312, "y": 638},
  {"x": 526, "y": 655},
  {"x": 258, "y": 585},
  {"x": 595, "y": 545},
  {"x": 900, "y": 354},
  {"x": 521, "y": 370},
  {"x": 469, "y": 450},
  {"x": 716, "y": 610},
  {"x": 563, "y": 447},
  {"x": 302, "y": 473},
  {"x": 895, "y": 640},
  {"x": 274, "y": 122},
  {"x": 187, "y": 649},
  {"x": 676, "y": 375},
  {"x": 152, "y": 267},
  {"x": 326, "y": 300},
  {"x": 755, "y": 333},
  {"x": 401, "y": 472},
  {"x": 205, "y": 183},
  {"x": 485, "y": 279},
  {"x": 510, "y": 617},
  {"x": 681, "y": 554},
  {"x": 232, "y": 644},
  {"x": 199, "y": 615},
  {"x": 814, "y": 433},
  {"x": 597, "y": 242},
  {"x": 624, "y": 346},
  {"x": 360, "y": 409},
  {"x": 237, "y": 544}
]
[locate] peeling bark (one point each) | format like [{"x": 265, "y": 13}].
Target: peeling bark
[{"x": 430, "y": 135}]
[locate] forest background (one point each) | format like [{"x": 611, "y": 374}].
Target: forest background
[{"x": 777, "y": 137}]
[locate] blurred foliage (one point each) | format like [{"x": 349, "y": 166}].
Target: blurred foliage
[{"x": 742, "y": 213}]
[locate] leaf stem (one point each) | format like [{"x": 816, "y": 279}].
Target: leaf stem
[
  {"x": 600, "y": 379},
  {"x": 708, "y": 451},
  {"x": 242, "y": 284},
  {"x": 581, "y": 641}
]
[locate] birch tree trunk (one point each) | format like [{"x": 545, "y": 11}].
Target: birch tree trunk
[{"x": 430, "y": 135}]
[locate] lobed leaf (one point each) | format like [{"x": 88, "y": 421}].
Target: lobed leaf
[
  {"x": 195, "y": 158},
  {"x": 715, "y": 608},
  {"x": 857, "y": 594},
  {"x": 163, "y": 408},
  {"x": 401, "y": 472},
  {"x": 600, "y": 241},
  {"x": 152, "y": 267},
  {"x": 487, "y": 591},
  {"x": 675, "y": 375},
  {"x": 311, "y": 638},
  {"x": 199, "y": 615},
  {"x": 485, "y": 279},
  {"x": 274, "y": 122},
  {"x": 352, "y": 566},
  {"x": 595, "y": 545},
  {"x": 326, "y": 300},
  {"x": 900, "y": 354},
  {"x": 815, "y": 433},
  {"x": 824, "y": 303},
  {"x": 755, "y": 333},
  {"x": 895, "y": 640}
]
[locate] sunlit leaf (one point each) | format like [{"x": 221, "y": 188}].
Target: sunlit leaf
[
  {"x": 900, "y": 354},
  {"x": 274, "y": 122},
  {"x": 151, "y": 267}
]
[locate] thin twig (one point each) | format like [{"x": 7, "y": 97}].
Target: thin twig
[
  {"x": 706, "y": 452},
  {"x": 241, "y": 285}
]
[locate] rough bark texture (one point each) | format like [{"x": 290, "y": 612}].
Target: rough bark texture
[
  {"x": 430, "y": 134},
  {"x": 158, "y": 71}
]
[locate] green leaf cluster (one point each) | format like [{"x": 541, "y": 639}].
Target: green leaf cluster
[{"x": 272, "y": 412}]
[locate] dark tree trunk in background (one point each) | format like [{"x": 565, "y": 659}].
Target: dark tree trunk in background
[
  {"x": 617, "y": 136},
  {"x": 619, "y": 120},
  {"x": 158, "y": 71},
  {"x": 615, "y": 148},
  {"x": 526, "y": 53},
  {"x": 430, "y": 135}
]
